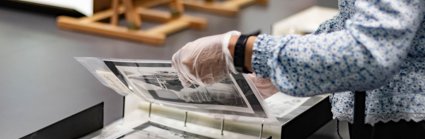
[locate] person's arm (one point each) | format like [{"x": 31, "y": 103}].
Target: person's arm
[
  {"x": 364, "y": 56},
  {"x": 248, "y": 50},
  {"x": 336, "y": 23}
]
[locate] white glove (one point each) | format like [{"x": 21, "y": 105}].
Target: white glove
[
  {"x": 264, "y": 86},
  {"x": 218, "y": 93},
  {"x": 194, "y": 95},
  {"x": 204, "y": 61}
]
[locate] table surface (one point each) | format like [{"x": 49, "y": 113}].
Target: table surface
[{"x": 41, "y": 82}]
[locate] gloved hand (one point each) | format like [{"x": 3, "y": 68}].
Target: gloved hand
[
  {"x": 204, "y": 61},
  {"x": 218, "y": 92},
  {"x": 264, "y": 86}
]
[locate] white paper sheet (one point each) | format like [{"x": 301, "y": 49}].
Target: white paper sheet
[
  {"x": 281, "y": 104},
  {"x": 157, "y": 82}
]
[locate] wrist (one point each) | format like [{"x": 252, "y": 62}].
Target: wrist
[
  {"x": 243, "y": 53},
  {"x": 228, "y": 44},
  {"x": 232, "y": 44},
  {"x": 247, "y": 41}
]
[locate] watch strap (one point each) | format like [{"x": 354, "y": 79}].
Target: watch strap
[{"x": 239, "y": 54}]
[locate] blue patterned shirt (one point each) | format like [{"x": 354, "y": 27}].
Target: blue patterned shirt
[{"x": 374, "y": 45}]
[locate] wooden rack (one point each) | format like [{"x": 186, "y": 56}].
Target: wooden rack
[
  {"x": 223, "y": 7},
  {"x": 135, "y": 12}
]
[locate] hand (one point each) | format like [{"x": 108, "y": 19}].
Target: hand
[
  {"x": 204, "y": 61},
  {"x": 264, "y": 86},
  {"x": 218, "y": 92}
]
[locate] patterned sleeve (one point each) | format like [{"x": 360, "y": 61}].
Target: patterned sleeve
[
  {"x": 362, "y": 56},
  {"x": 336, "y": 23}
]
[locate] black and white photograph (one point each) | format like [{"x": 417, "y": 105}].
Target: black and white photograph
[{"x": 158, "y": 82}]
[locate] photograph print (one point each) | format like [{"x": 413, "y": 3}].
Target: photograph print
[{"x": 158, "y": 82}]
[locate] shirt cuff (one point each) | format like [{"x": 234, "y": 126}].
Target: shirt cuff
[{"x": 262, "y": 52}]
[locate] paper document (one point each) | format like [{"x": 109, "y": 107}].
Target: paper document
[
  {"x": 157, "y": 82},
  {"x": 281, "y": 104}
]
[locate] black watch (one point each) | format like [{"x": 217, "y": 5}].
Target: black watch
[{"x": 239, "y": 55}]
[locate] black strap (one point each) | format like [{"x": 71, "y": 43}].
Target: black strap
[
  {"x": 359, "y": 106},
  {"x": 359, "y": 130},
  {"x": 239, "y": 56}
]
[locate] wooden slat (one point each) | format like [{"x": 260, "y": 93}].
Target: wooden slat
[
  {"x": 109, "y": 30},
  {"x": 237, "y": 3},
  {"x": 116, "y": 13},
  {"x": 162, "y": 17},
  {"x": 150, "y": 3},
  {"x": 196, "y": 22},
  {"x": 131, "y": 14},
  {"x": 154, "y": 15},
  {"x": 213, "y": 7},
  {"x": 155, "y": 35},
  {"x": 176, "y": 8},
  {"x": 227, "y": 7},
  {"x": 98, "y": 16}
]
